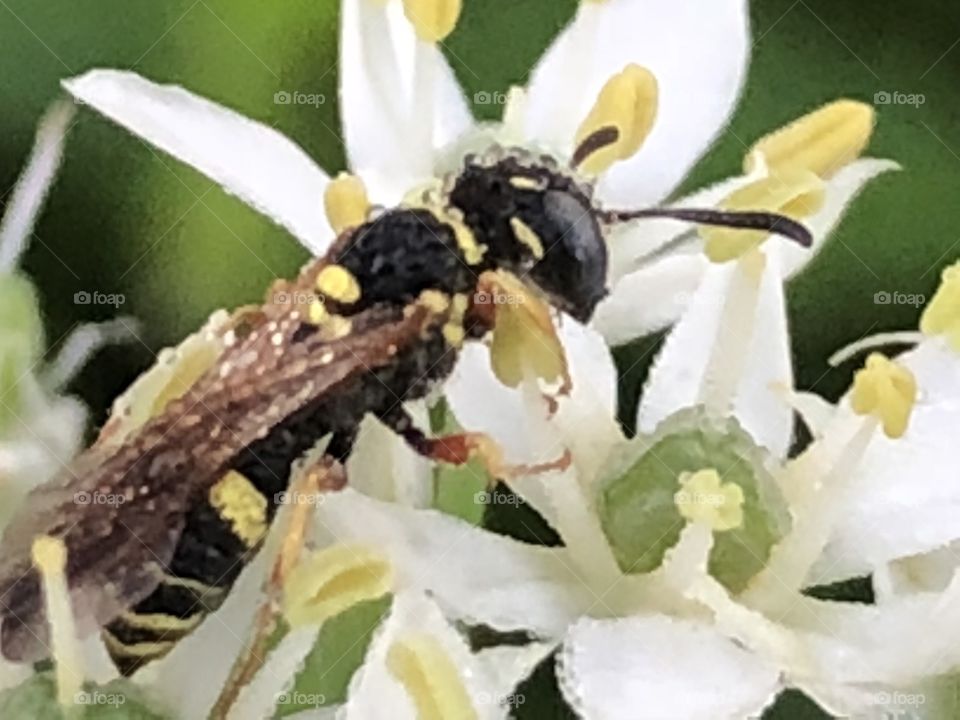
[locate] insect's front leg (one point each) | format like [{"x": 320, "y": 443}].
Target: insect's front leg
[{"x": 460, "y": 448}]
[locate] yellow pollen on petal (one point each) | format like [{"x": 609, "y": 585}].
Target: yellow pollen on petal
[
  {"x": 886, "y": 390},
  {"x": 338, "y": 283},
  {"x": 433, "y": 20},
  {"x": 942, "y": 315},
  {"x": 704, "y": 498},
  {"x": 333, "y": 580},
  {"x": 795, "y": 193},
  {"x": 628, "y": 102},
  {"x": 822, "y": 141},
  {"x": 430, "y": 677},
  {"x": 346, "y": 203},
  {"x": 49, "y": 556}
]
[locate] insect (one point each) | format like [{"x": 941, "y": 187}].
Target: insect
[{"x": 200, "y": 478}]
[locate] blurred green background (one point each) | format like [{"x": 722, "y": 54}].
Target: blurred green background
[{"x": 123, "y": 219}]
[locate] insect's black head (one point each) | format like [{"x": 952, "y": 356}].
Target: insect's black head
[{"x": 539, "y": 224}]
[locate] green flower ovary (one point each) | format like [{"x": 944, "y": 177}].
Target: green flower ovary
[{"x": 639, "y": 513}]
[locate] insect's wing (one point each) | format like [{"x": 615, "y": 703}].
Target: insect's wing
[{"x": 115, "y": 550}]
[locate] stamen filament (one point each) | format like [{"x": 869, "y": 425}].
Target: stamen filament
[
  {"x": 790, "y": 562},
  {"x": 50, "y": 559},
  {"x": 906, "y": 337},
  {"x": 728, "y": 355}
]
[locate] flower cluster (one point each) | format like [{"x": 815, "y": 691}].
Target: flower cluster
[{"x": 680, "y": 588}]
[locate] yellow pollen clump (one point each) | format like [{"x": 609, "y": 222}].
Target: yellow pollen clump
[
  {"x": 821, "y": 142},
  {"x": 430, "y": 677},
  {"x": 527, "y": 236},
  {"x": 333, "y": 580},
  {"x": 433, "y": 20},
  {"x": 704, "y": 498},
  {"x": 317, "y": 313},
  {"x": 628, "y": 102},
  {"x": 338, "y": 283},
  {"x": 244, "y": 507},
  {"x": 793, "y": 192},
  {"x": 49, "y": 555},
  {"x": 888, "y": 391},
  {"x": 346, "y": 203},
  {"x": 942, "y": 316}
]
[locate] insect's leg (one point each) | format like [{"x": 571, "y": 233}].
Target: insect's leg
[{"x": 460, "y": 448}]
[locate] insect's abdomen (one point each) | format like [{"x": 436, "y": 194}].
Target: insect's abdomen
[{"x": 220, "y": 536}]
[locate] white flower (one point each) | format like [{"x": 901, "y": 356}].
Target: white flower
[
  {"x": 406, "y": 122},
  {"x": 40, "y": 429}
]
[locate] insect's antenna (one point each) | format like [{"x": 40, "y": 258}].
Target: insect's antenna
[
  {"x": 746, "y": 220},
  {"x": 595, "y": 141}
]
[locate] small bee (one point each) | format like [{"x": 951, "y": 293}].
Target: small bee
[{"x": 200, "y": 479}]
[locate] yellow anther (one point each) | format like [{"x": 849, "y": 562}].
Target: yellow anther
[
  {"x": 942, "y": 316},
  {"x": 886, "y": 390},
  {"x": 704, "y": 498},
  {"x": 525, "y": 342},
  {"x": 821, "y": 142},
  {"x": 49, "y": 555},
  {"x": 346, "y": 202},
  {"x": 337, "y": 283},
  {"x": 430, "y": 677},
  {"x": 333, "y": 580},
  {"x": 433, "y": 20},
  {"x": 628, "y": 102},
  {"x": 793, "y": 192}
]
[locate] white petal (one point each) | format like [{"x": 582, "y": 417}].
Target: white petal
[
  {"x": 34, "y": 184},
  {"x": 383, "y": 466},
  {"x": 208, "y": 652},
  {"x": 698, "y": 85},
  {"x": 841, "y": 190},
  {"x": 390, "y": 83},
  {"x": 655, "y": 667},
  {"x": 906, "y": 492},
  {"x": 269, "y": 687},
  {"x": 474, "y": 575},
  {"x": 517, "y": 418},
  {"x": 259, "y": 165},
  {"x": 678, "y": 375},
  {"x": 375, "y": 693},
  {"x": 650, "y": 299}
]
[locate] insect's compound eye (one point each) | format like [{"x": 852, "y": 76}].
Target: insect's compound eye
[{"x": 573, "y": 269}]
